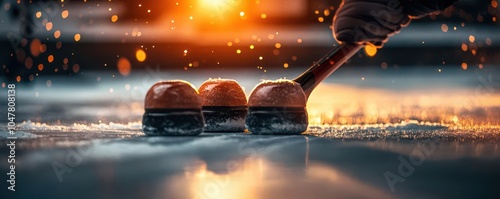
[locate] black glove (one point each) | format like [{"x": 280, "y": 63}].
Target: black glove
[{"x": 373, "y": 21}]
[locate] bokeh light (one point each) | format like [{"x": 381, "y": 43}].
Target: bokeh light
[
  {"x": 49, "y": 26},
  {"x": 76, "y": 68},
  {"x": 57, "y": 34},
  {"x": 472, "y": 38},
  {"x": 114, "y": 18},
  {"x": 50, "y": 58},
  {"x": 64, "y": 14},
  {"x": 140, "y": 55},
  {"x": 444, "y": 28},
  {"x": 35, "y": 47},
  {"x": 28, "y": 63},
  {"x": 124, "y": 66},
  {"x": 77, "y": 37},
  {"x": 370, "y": 50}
]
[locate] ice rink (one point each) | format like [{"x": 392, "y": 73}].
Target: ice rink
[
  {"x": 365, "y": 140},
  {"x": 418, "y": 118}
]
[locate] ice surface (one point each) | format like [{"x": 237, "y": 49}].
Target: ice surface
[
  {"x": 19, "y": 134},
  {"x": 256, "y": 166},
  {"x": 80, "y": 127},
  {"x": 405, "y": 130},
  {"x": 358, "y": 131}
]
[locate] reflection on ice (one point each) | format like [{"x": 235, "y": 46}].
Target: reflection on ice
[
  {"x": 256, "y": 177},
  {"x": 365, "y": 105},
  {"x": 252, "y": 166}
]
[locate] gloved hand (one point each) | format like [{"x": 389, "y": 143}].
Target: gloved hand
[{"x": 373, "y": 21}]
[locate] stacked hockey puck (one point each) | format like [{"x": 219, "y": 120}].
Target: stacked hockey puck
[
  {"x": 172, "y": 108},
  {"x": 224, "y": 105}
]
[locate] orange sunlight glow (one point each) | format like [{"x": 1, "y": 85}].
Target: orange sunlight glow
[
  {"x": 350, "y": 105},
  {"x": 220, "y": 12},
  {"x": 216, "y": 4},
  {"x": 257, "y": 177}
]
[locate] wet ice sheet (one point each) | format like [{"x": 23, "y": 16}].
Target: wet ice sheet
[
  {"x": 462, "y": 98},
  {"x": 403, "y": 130},
  {"x": 342, "y": 161},
  {"x": 359, "y": 131},
  {"x": 239, "y": 165}
]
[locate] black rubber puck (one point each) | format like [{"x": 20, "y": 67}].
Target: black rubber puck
[
  {"x": 172, "y": 122},
  {"x": 277, "y": 120},
  {"x": 225, "y": 118}
]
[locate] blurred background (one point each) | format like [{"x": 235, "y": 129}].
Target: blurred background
[
  {"x": 66, "y": 54},
  {"x": 68, "y": 37}
]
